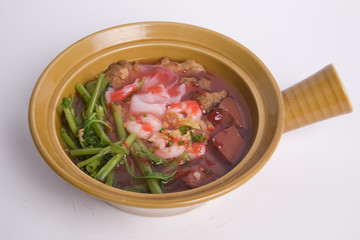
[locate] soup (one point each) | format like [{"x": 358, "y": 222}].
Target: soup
[{"x": 156, "y": 127}]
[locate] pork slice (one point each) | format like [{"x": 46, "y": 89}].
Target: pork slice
[
  {"x": 203, "y": 83},
  {"x": 190, "y": 80},
  {"x": 118, "y": 73},
  {"x": 232, "y": 107},
  {"x": 188, "y": 66},
  {"x": 209, "y": 100},
  {"x": 203, "y": 172},
  {"x": 230, "y": 143}
]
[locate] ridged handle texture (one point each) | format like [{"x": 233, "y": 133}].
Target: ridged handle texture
[{"x": 318, "y": 97}]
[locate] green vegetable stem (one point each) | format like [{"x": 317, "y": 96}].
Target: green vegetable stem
[
  {"x": 110, "y": 178},
  {"x": 91, "y": 167},
  {"x": 177, "y": 162},
  {"x": 103, "y": 152},
  {"x": 66, "y": 138},
  {"x": 95, "y": 124},
  {"x": 66, "y": 105},
  {"x": 85, "y": 151},
  {"x": 110, "y": 165},
  {"x": 99, "y": 87},
  {"x": 118, "y": 121},
  {"x": 145, "y": 169},
  {"x": 104, "y": 139},
  {"x": 99, "y": 112},
  {"x": 85, "y": 95},
  {"x": 113, "y": 148}
]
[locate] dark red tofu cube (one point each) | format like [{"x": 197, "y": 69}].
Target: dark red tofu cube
[
  {"x": 230, "y": 143},
  {"x": 232, "y": 107}
]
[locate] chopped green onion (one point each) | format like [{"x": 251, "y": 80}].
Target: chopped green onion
[
  {"x": 184, "y": 129},
  {"x": 141, "y": 83},
  {"x": 161, "y": 130},
  {"x": 144, "y": 115},
  {"x": 198, "y": 138},
  {"x": 170, "y": 143},
  {"x": 180, "y": 143},
  {"x": 132, "y": 118}
]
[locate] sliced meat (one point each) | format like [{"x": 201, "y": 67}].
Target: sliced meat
[
  {"x": 191, "y": 80},
  {"x": 203, "y": 172},
  {"x": 209, "y": 100},
  {"x": 203, "y": 83},
  {"x": 188, "y": 66},
  {"x": 230, "y": 143},
  {"x": 230, "y": 106},
  {"x": 118, "y": 73}
]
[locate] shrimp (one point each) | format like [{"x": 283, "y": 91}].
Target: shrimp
[
  {"x": 170, "y": 152},
  {"x": 196, "y": 150},
  {"x": 143, "y": 126},
  {"x": 189, "y": 109},
  {"x": 169, "y": 144},
  {"x": 175, "y": 150}
]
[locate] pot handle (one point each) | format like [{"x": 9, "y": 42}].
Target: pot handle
[{"x": 318, "y": 97}]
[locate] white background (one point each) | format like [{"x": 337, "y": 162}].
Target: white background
[{"x": 310, "y": 188}]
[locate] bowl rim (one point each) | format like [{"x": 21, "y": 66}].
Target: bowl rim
[{"x": 154, "y": 201}]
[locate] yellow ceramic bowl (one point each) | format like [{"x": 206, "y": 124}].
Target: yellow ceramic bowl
[{"x": 154, "y": 40}]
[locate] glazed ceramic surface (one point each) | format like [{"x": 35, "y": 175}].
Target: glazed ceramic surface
[
  {"x": 154, "y": 40},
  {"x": 316, "y": 98}
]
